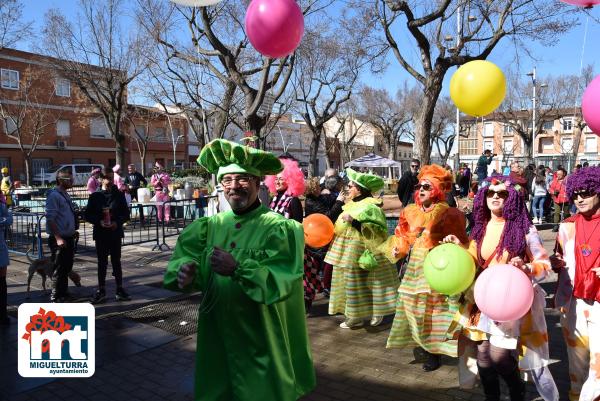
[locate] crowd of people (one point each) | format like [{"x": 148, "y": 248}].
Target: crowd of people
[
  {"x": 259, "y": 277},
  {"x": 368, "y": 274}
]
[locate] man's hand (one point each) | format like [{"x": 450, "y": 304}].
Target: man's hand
[
  {"x": 222, "y": 262},
  {"x": 347, "y": 218},
  {"x": 60, "y": 242},
  {"x": 597, "y": 271},
  {"x": 186, "y": 274}
]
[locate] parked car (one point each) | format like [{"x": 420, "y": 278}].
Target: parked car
[{"x": 80, "y": 172}]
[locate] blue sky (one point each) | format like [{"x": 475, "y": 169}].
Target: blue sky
[{"x": 562, "y": 58}]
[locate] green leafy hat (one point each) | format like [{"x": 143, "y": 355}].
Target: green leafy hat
[
  {"x": 371, "y": 182},
  {"x": 225, "y": 157}
]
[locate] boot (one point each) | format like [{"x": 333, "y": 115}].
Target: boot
[
  {"x": 516, "y": 385},
  {"x": 433, "y": 362},
  {"x": 4, "y": 320},
  {"x": 490, "y": 383}
]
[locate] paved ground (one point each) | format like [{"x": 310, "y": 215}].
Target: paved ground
[{"x": 145, "y": 348}]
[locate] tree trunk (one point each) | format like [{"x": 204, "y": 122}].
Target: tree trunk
[
  {"x": 28, "y": 176},
  {"x": 143, "y": 158},
  {"x": 120, "y": 148},
  {"x": 423, "y": 123},
  {"x": 313, "y": 164}
]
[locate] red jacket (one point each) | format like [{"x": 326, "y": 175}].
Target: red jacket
[{"x": 559, "y": 187}]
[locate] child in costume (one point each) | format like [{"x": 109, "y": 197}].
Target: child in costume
[
  {"x": 364, "y": 283},
  {"x": 252, "y": 342},
  {"x": 503, "y": 234},
  {"x": 423, "y": 316},
  {"x": 577, "y": 260}
]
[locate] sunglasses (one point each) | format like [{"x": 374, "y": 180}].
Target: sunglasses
[
  {"x": 426, "y": 187},
  {"x": 502, "y": 194},
  {"x": 414, "y": 166},
  {"x": 583, "y": 195}
]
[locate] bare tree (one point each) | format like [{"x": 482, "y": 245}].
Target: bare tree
[
  {"x": 556, "y": 96},
  {"x": 388, "y": 114},
  {"x": 219, "y": 44},
  {"x": 100, "y": 56},
  {"x": 443, "y": 132},
  {"x": 484, "y": 24},
  {"x": 12, "y": 26},
  {"x": 140, "y": 119},
  {"x": 25, "y": 121}
]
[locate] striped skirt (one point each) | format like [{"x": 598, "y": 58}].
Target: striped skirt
[
  {"x": 359, "y": 293},
  {"x": 423, "y": 317}
]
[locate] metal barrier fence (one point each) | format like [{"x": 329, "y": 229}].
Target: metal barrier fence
[
  {"x": 24, "y": 236},
  {"x": 180, "y": 213}
]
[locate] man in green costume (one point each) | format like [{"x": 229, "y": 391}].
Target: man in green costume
[{"x": 248, "y": 262}]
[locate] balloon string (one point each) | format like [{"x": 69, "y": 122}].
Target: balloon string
[{"x": 587, "y": 20}]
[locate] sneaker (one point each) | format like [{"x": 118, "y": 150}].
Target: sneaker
[
  {"x": 121, "y": 295},
  {"x": 352, "y": 323},
  {"x": 376, "y": 320},
  {"x": 99, "y": 297},
  {"x": 326, "y": 293}
]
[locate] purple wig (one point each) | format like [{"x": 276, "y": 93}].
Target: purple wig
[
  {"x": 514, "y": 212},
  {"x": 587, "y": 179}
]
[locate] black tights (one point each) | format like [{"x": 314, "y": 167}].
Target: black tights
[{"x": 500, "y": 359}]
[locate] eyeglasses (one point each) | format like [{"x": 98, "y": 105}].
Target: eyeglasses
[
  {"x": 426, "y": 187},
  {"x": 414, "y": 166},
  {"x": 583, "y": 195},
  {"x": 502, "y": 194},
  {"x": 241, "y": 179}
]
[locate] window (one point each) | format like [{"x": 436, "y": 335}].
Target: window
[
  {"x": 548, "y": 125},
  {"x": 468, "y": 146},
  {"x": 63, "y": 87},
  {"x": 546, "y": 145},
  {"x": 488, "y": 129},
  {"x": 140, "y": 131},
  {"x": 98, "y": 128},
  {"x": 10, "y": 79},
  {"x": 10, "y": 126},
  {"x": 508, "y": 129},
  {"x": 568, "y": 124},
  {"x": 566, "y": 145},
  {"x": 83, "y": 169},
  {"x": 40, "y": 164},
  {"x": 177, "y": 133},
  {"x": 63, "y": 128},
  {"x": 160, "y": 134},
  {"x": 81, "y": 161},
  {"x": 507, "y": 146},
  {"x": 488, "y": 144},
  {"x": 591, "y": 145}
]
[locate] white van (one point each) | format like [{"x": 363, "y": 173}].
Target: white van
[{"x": 81, "y": 173}]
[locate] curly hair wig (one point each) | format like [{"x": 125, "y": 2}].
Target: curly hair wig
[
  {"x": 514, "y": 212},
  {"x": 587, "y": 178},
  {"x": 293, "y": 176}
]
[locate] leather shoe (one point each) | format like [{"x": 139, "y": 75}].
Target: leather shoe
[{"x": 433, "y": 363}]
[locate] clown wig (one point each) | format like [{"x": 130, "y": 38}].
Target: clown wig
[
  {"x": 587, "y": 179},
  {"x": 293, "y": 176},
  {"x": 514, "y": 212}
]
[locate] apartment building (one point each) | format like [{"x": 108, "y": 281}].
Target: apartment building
[
  {"x": 553, "y": 146},
  {"x": 48, "y": 113}
]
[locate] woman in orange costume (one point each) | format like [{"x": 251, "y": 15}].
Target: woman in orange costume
[{"x": 423, "y": 316}]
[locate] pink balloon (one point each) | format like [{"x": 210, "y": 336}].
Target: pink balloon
[
  {"x": 503, "y": 293},
  {"x": 590, "y": 105},
  {"x": 582, "y": 3},
  {"x": 274, "y": 27}
]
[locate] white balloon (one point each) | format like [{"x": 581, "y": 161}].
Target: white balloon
[{"x": 196, "y": 3}]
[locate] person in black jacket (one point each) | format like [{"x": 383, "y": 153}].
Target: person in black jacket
[
  {"x": 406, "y": 186},
  {"x": 107, "y": 210},
  {"x": 134, "y": 180}
]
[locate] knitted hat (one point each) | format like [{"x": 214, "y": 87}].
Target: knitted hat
[
  {"x": 225, "y": 157},
  {"x": 370, "y": 182},
  {"x": 437, "y": 175}
]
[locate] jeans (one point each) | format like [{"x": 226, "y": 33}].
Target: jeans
[
  {"x": 537, "y": 207},
  {"x": 557, "y": 209},
  {"x": 62, "y": 258},
  {"x": 109, "y": 245}
]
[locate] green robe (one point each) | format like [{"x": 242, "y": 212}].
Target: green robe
[{"x": 252, "y": 336}]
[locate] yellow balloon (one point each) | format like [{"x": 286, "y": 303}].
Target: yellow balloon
[{"x": 478, "y": 88}]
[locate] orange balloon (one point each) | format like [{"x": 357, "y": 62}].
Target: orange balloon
[{"x": 318, "y": 230}]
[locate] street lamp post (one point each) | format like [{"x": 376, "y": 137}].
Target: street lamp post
[{"x": 534, "y": 104}]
